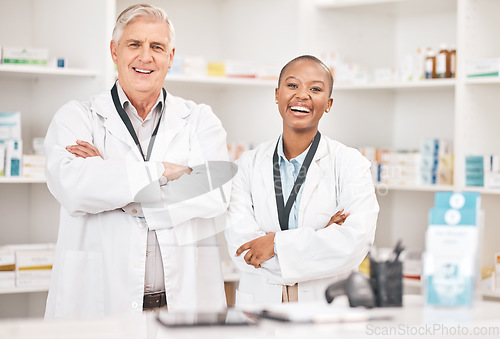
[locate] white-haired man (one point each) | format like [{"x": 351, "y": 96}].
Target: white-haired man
[{"x": 128, "y": 168}]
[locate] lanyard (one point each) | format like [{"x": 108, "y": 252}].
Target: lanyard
[
  {"x": 284, "y": 211},
  {"x": 128, "y": 123}
]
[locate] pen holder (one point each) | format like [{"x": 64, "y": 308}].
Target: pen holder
[{"x": 386, "y": 279}]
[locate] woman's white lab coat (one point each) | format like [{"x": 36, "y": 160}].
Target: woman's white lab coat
[
  {"x": 99, "y": 266},
  {"x": 311, "y": 255}
]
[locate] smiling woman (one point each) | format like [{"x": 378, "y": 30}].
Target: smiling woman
[
  {"x": 303, "y": 95},
  {"x": 303, "y": 209}
]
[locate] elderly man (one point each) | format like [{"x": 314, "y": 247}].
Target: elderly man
[{"x": 130, "y": 170}]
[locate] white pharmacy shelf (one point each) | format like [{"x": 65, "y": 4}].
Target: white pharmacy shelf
[
  {"x": 483, "y": 80},
  {"x": 490, "y": 294},
  {"x": 397, "y": 85},
  {"x": 22, "y": 180},
  {"x": 384, "y": 188},
  {"x": 213, "y": 80},
  {"x": 392, "y": 7},
  {"x": 34, "y": 70},
  {"x": 257, "y": 82},
  {"x": 26, "y": 289}
]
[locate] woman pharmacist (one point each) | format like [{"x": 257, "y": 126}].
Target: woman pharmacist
[{"x": 293, "y": 252}]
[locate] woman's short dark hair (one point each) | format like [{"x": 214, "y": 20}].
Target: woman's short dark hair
[{"x": 311, "y": 58}]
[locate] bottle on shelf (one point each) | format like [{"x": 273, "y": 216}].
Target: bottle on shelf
[
  {"x": 418, "y": 69},
  {"x": 430, "y": 64},
  {"x": 443, "y": 69},
  {"x": 453, "y": 61}
]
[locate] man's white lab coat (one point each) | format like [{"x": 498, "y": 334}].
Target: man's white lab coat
[{"x": 100, "y": 257}]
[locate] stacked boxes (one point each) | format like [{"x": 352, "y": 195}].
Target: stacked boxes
[
  {"x": 482, "y": 171},
  {"x": 374, "y": 155},
  {"x": 400, "y": 168},
  {"x": 432, "y": 165},
  {"x": 7, "y": 268},
  {"x": 474, "y": 170},
  {"x": 26, "y": 265},
  {"x": 436, "y": 165},
  {"x": 10, "y": 144},
  {"x": 34, "y": 166}
]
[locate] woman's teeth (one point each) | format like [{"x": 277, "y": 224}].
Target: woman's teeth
[{"x": 300, "y": 109}]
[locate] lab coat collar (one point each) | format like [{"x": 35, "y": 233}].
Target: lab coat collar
[
  {"x": 314, "y": 175},
  {"x": 320, "y": 152},
  {"x": 173, "y": 120}
]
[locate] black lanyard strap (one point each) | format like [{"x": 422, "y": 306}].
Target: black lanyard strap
[
  {"x": 284, "y": 211},
  {"x": 128, "y": 123}
]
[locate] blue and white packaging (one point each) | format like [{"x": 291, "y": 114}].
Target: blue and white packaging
[
  {"x": 432, "y": 169},
  {"x": 13, "y": 157},
  {"x": 450, "y": 261},
  {"x": 10, "y": 125}
]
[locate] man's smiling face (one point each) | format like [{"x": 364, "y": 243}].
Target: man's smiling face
[{"x": 143, "y": 56}]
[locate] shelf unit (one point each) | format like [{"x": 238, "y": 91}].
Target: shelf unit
[
  {"x": 29, "y": 212},
  {"x": 30, "y": 289},
  {"x": 374, "y": 33},
  {"x": 31, "y": 70},
  {"x": 21, "y": 180}
]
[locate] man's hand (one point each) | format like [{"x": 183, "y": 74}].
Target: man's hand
[
  {"x": 338, "y": 218},
  {"x": 259, "y": 250},
  {"x": 83, "y": 149},
  {"x": 174, "y": 171}
]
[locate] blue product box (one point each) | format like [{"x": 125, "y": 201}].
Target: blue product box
[
  {"x": 450, "y": 285},
  {"x": 429, "y": 161},
  {"x": 474, "y": 163},
  {"x": 428, "y": 176},
  {"x": 474, "y": 179},
  {"x": 457, "y": 200},
  {"x": 429, "y": 146}
]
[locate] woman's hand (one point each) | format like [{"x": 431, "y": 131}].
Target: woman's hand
[
  {"x": 259, "y": 250},
  {"x": 338, "y": 218}
]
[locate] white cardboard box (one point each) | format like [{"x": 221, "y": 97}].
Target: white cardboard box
[
  {"x": 482, "y": 67},
  {"x": 25, "y": 56}
]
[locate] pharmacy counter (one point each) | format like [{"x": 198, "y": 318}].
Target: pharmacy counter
[{"x": 480, "y": 321}]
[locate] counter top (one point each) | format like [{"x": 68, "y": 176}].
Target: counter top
[{"x": 413, "y": 319}]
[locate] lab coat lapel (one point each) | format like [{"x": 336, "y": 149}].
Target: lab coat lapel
[
  {"x": 266, "y": 172},
  {"x": 313, "y": 178},
  {"x": 114, "y": 124},
  {"x": 172, "y": 121}
]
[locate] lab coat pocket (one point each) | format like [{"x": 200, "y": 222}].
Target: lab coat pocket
[
  {"x": 80, "y": 285},
  {"x": 193, "y": 278},
  {"x": 243, "y": 298},
  {"x": 211, "y": 289}
]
